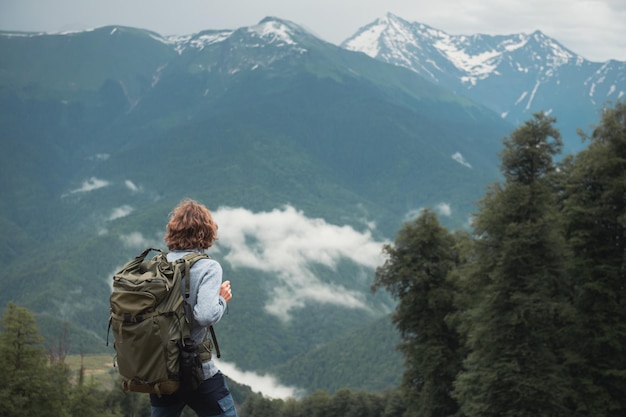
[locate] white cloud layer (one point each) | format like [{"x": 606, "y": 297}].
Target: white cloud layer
[{"x": 286, "y": 243}]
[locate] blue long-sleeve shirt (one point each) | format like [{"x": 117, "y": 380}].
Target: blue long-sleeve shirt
[{"x": 207, "y": 303}]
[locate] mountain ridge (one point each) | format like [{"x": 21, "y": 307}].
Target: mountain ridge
[{"x": 513, "y": 75}]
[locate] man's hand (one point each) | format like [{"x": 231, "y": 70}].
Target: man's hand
[{"x": 225, "y": 291}]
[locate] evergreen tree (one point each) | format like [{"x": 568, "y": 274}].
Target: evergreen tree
[
  {"x": 344, "y": 403},
  {"x": 259, "y": 406},
  {"x": 416, "y": 274},
  {"x": 594, "y": 204},
  {"x": 515, "y": 367},
  {"x": 87, "y": 401},
  {"x": 127, "y": 404},
  {"x": 31, "y": 386},
  {"x": 316, "y": 405},
  {"x": 291, "y": 408},
  {"x": 394, "y": 404}
]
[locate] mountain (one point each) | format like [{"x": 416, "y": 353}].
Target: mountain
[
  {"x": 309, "y": 155},
  {"x": 364, "y": 359},
  {"x": 513, "y": 75}
]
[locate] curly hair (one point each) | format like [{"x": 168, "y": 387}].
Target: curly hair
[{"x": 190, "y": 226}]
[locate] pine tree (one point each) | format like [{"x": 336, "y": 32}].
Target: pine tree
[
  {"x": 514, "y": 367},
  {"x": 87, "y": 400},
  {"x": 128, "y": 404},
  {"x": 594, "y": 205},
  {"x": 416, "y": 274},
  {"x": 31, "y": 387}
]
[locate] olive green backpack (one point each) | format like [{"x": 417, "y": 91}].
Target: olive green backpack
[{"x": 151, "y": 322}]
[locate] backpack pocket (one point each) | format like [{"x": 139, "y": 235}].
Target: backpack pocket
[
  {"x": 130, "y": 304},
  {"x": 152, "y": 369},
  {"x": 158, "y": 287}
]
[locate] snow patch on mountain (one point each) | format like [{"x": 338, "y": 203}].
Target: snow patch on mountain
[
  {"x": 21, "y": 34},
  {"x": 274, "y": 31},
  {"x": 514, "y": 43},
  {"x": 532, "y": 94},
  {"x": 367, "y": 41},
  {"x": 196, "y": 41},
  {"x": 205, "y": 40},
  {"x": 478, "y": 66}
]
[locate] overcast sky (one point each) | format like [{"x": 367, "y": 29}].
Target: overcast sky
[{"x": 595, "y": 29}]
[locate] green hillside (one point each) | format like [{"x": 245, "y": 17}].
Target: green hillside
[
  {"x": 103, "y": 132},
  {"x": 364, "y": 359}
]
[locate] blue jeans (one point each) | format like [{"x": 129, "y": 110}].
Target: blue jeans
[{"x": 212, "y": 398}]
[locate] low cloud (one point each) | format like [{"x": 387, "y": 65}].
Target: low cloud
[
  {"x": 286, "y": 243},
  {"x": 136, "y": 240},
  {"x": 413, "y": 214},
  {"x": 120, "y": 212},
  {"x": 90, "y": 184},
  {"x": 444, "y": 209},
  {"x": 268, "y": 385},
  {"x": 461, "y": 160},
  {"x": 131, "y": 186},
  {"x": 99, "y": 157}
]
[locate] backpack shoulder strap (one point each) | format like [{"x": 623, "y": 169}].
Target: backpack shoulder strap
[{"x": 190, "y": 259}]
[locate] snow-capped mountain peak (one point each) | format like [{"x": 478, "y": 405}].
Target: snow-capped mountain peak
[
  {"x": 277, "y": 30},
  {"x": 420, "y": 47},
  {"x": 246, "y": 48},
  {"x": 278, "y": 33},
  {"x": 515, "y": 75},
  {"x": 271, "y": 30},
  {"x": 386, "y": 33}
]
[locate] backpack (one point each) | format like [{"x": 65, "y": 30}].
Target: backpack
[{"x": 151, "y": 323}]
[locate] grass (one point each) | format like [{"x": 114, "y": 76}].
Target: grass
[{"x": 98, "y": 369}]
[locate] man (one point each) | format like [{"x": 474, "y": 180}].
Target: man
[{"x": 191, "y": 228}]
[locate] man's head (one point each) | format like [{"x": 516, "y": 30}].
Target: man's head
[{"x": 191, "y": 226}]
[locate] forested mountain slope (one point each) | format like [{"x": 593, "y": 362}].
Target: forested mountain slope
[{"x": 309, "y": 155}]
